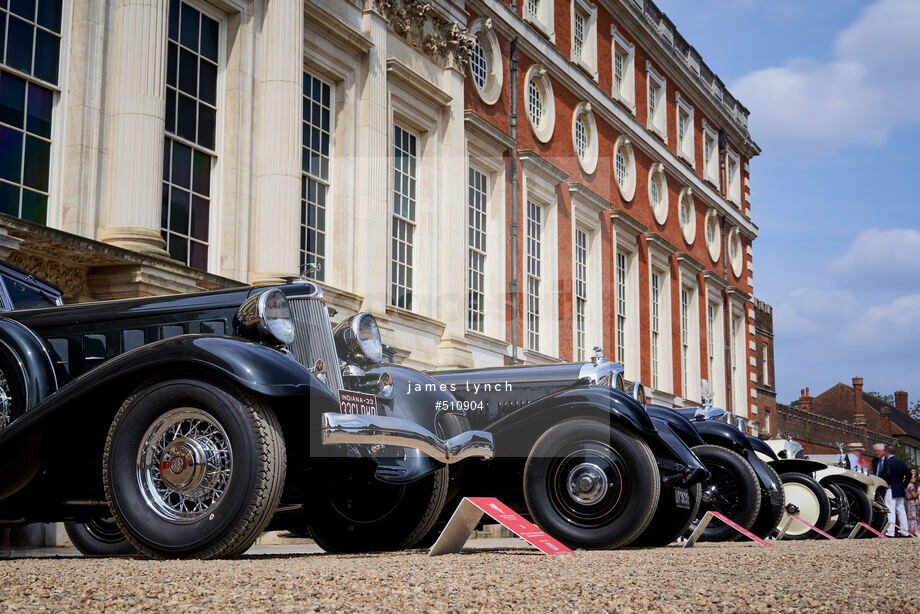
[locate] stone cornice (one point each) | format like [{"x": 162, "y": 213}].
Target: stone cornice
[
  {"x": 715, "y": 280},
  {"x": 414, "y": 82},
  {"x": 591, "y": 198},
  {"x": 739, "y": 294},
  {"x": 436, "y": 28},
  {"x": 532, "y": 162},
  {"x": 336, "y": 26},
  {"x": 495, "y": 137},
  {"x": 657, "y": 242},
  {"x": 689, "y": 263},
  {"x": 627, "y": 223}
]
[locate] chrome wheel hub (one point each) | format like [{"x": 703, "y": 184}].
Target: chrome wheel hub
[
  {"x": 6, "y": 410},
  {"x": 184, "y": 465},
  {"x": 587, "y": 483}
]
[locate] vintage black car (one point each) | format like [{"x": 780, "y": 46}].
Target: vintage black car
[
  {"x": 578, "y": 453},
  {"x": 192, "y": 421}
]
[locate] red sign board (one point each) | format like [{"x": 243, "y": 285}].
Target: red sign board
[
  {"x": 873, "y": 530},
  {"x": 516, "y": 524},
  {"x": 739, "y": 528},
  {"x": 359, "y": 403},
  {"x": 814, "y": 528}
]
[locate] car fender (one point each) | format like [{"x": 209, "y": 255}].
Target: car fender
[
  {"x": 868, "y": 483},
  {"x": 36, "y": 367},
  {"x": 797, "y": 465},
  {"x": 722, "y": 434},
  {"x": 760, "y": 446},
  {"x": 516, "y": 432},
  {"x": 678, "y": 423}
]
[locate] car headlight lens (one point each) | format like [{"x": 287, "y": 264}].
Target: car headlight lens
[
  {"x": 357, "y": 339},
  {"x": 267, "y": 316}
]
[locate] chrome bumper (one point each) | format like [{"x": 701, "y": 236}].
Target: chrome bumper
[{"x": 389, "y": 431}]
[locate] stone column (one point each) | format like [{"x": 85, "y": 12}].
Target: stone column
[
  {"x": 275, "y": 244},
  {"x": 372, "y": 200},
  {"x": 136, "y": 123},
  {"x": 451, "y": 234}
]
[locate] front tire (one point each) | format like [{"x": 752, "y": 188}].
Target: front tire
[
  {"x": 732, "y": 489},
  {"x": 98, "y": 537},
  {"x": 590, "y": 485},
  {"x": 771, "y": 508},
  {"x": 354, "y": 512},
  {"x": 806, "y": 499},
  {"x": 859, "y": 504},
  {"x": 670, "y": 520},
  {"x": 193, "y": 470},
  {"x": 840, "y": 509}
]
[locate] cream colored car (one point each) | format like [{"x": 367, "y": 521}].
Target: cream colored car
[{"x": 831, "y": 498}]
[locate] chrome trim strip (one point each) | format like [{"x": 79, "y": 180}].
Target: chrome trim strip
[{"x": 390, "y": 431}]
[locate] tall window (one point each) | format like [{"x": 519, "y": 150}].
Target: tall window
[
  {"x": 579, "y": 32},
  {"x": 191, "y": 131},
  {"x": 684, "y": 338},
  {"x": 476, "y": 244},
  {"x": 535, "y": 102},
  {"x": 30, "y": 41},
  {"x": 534, "y": 241},
  {"x": 533, "y": 9},
  {"x": 405, "y": 178},
  {"x": 710, "y": 155},
  {"x": 314, "y": 182},
  {"x": 711, "y": 340},
  {"x": 621, "y": 271},
  {"x": 581, "y": 291},
  {"x": 656, "y": 327},
  {"x": 619, "y": 70},
  {"x": 736, "y": 326},
  {"x": 766, "y": 365}
]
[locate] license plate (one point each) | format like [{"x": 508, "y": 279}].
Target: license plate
[
  {"x": 682, "y": 498},
  {"x": 358, "y": 403}
]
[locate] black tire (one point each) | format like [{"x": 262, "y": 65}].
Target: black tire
[
  {"x": 352, "y": 511},
  {"x": 860, "y": 507},
  {"x": 12, "y": 387},
  {"x": 615, "y": 485},
  {"x": 810, "y": 502},
  {"x": 840, "y": 509},
  {"x": 670, "y": 521},
  {"x": 230, "y": 498},
  {"x": 879, "y": 518},
  {"x": 732, "y": 489},
  {"x": 771, "y": 508},
  {"x": 98, "y": 537}
]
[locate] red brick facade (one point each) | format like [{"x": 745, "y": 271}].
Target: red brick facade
[{"x": 559, "y": 151}]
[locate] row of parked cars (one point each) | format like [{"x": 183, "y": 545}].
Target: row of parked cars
[{"x": 185, "y": 426}]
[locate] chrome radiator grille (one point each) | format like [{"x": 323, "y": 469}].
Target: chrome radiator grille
[{"x": 313, "y": 340}]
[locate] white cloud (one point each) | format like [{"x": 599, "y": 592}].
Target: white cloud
[
  {"x": 870, "y": 87},
  {"x": 892, "y": 328},
  {"x": 881, "y": 260}
]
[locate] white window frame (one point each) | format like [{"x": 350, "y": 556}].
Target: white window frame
[
  {"x": 766, "y": 364},
  {"x": 628, "y": 189},
  {"x": 691, "y": 369},
  {"x": 539, "y": 186},
  {"x": 626, "y": 95},
  {"x": 735, "y": 251},
  {"x": 483, "y": 31},
  {"x": 587, "y": 58},
  {"x": 658, "y": 265},
  {"x": 488, "y": 159},
  {"x": 328, "y": 256},
  {"x": 714, "y": 247},
  {"x": 625, "y": 242},
  {"x": 715, "y": 346},
  {"x": 587, "y": 162},
  {"x": 533, "y": 334},
  {"x": 543, "y": 19},
  {"x": 711, "y": 166},
  {"x": 739, "y": 369},
  {"x": 659, "y": 209},
  {"x": 685, "y": 148},
  {"x": 687, "y": 229},
  {"x": 543, "y": 129},
  {"x": 733, "y": 180},
  {"x": 657, "y": 123},
  {"x": 483, "y": 192},
  {"x": 412, "y": 305},
  {"x": 587, "y": 208}
]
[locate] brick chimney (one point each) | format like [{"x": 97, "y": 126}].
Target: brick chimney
[
  {"x": 805, "y": 400},
  {"x": 884, "y": 415},
  {"x": 900, "y": 400},
  {"x": 859, "y": 418}
]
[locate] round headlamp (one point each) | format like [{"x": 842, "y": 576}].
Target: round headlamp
[
  {"x": 267, "y": 316},
  {"x": 357, "y": 340}
]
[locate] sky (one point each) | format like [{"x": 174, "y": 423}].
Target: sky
[{"x": 833, "y": 87}]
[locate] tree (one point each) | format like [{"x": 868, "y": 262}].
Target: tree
[{"x": 913, "y": 409}]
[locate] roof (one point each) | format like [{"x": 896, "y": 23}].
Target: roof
[{"x": 837, "y": 402}]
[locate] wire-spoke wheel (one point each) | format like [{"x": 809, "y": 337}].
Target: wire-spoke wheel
[
  {"x": 732, "y": 490},
  {"x": 193, "y": 470}
]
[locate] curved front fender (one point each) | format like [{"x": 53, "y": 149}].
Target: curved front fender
[
  {"x": 32, "y": 356},
  {"x": 722, "y": 434}
]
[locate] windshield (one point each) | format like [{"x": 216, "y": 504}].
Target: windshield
[{"x": 25, "y": 297}]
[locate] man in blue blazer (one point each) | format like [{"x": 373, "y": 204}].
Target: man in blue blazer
[{"x": 893, "y": 470}]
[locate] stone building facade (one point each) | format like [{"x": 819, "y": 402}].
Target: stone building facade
[{"x": 494, "y": 181}]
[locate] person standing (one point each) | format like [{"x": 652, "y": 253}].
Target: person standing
[
  {"x": 893, "y": 470},
  {"x": 913, "y": 500}
]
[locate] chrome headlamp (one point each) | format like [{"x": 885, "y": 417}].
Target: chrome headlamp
[
  {"x": 266, "y": 316},
  {"x": 357, "y": 340}
]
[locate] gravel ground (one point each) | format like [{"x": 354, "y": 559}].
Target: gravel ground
[{"x": 496, "y": 576}]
